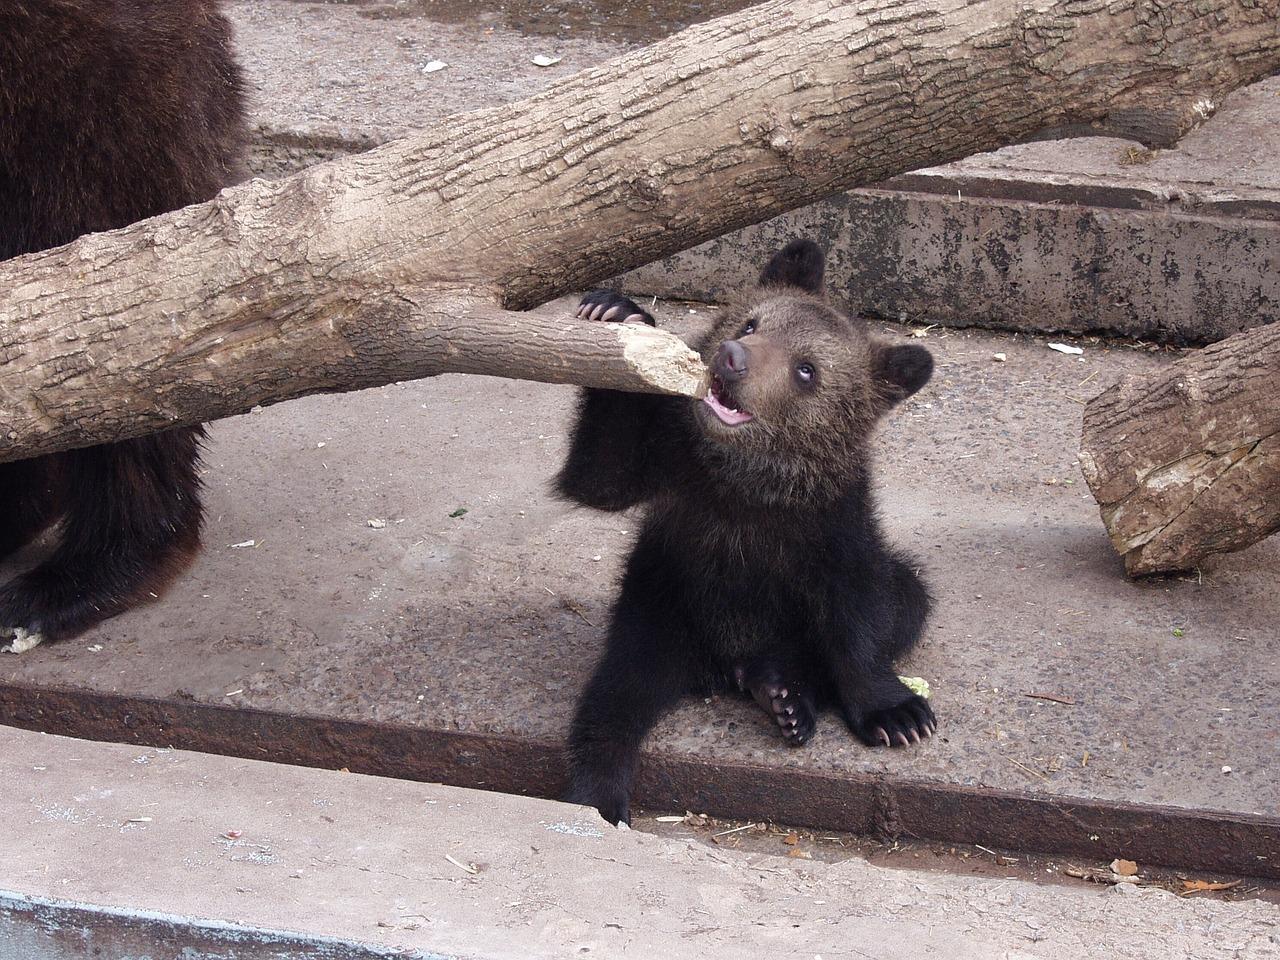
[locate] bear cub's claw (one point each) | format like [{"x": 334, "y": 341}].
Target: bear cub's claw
[
  {"x": 609, "y": 305},
  {"x": 911, "y": 721}
]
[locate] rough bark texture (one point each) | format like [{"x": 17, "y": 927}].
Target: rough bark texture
[
  {"x": 369, "y": 269},
  {"x": 1187, "y": 463}
]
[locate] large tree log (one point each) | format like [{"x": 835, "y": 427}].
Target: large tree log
[
  {"x": 393, "y": 264},
  {"x": 1186, "y": 463}
]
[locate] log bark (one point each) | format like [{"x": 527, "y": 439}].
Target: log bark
[
  {"x": 1186, "y": 463},
  {"x": 371, "y": 268}
]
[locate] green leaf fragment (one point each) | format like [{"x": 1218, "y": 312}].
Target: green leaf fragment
[{"x": 918, "y": 685}]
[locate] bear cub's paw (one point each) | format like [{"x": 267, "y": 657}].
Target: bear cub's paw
[
  {"x": 609, "y": 305},
  {"x": 613, "y": 803},
  {"x": 792, "y": 712},
  {"x": 898, "y": 726},
  {"x": 20, "y": 603},
  {"x": 794, "y": 717}
]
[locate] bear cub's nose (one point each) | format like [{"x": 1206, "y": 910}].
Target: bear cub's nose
[{"x": 730, "y": 361}]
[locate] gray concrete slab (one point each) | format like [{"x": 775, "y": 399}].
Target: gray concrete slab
[
  {"x": 471, "y": 633},
  {"x": 1008, "y": 264},
  {"x": 1081, "y": 235},
  {"x": 119, "y": 851}
]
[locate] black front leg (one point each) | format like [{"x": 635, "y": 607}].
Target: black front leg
[
  {"x": 131, "y": 524},
  {"x": 617, "y": 458},
  {"x": 871, "y": 628},
  {"x": 641, "y": 675}
]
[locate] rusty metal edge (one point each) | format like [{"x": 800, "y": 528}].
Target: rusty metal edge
[{"x": 1193, "y": 839}]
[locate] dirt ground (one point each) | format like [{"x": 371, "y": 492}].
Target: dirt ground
[{"x": 955, "y": 859}]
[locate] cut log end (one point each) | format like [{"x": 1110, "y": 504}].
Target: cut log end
[
  {"x": 1185, "y": 462},
  {"x": 663, "y": 360}
]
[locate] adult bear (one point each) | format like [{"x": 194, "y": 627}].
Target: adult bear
[
  {"x": 760, "y": 565},
  {"x": 110, "y": 111}
]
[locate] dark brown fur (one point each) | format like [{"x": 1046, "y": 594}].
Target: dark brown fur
[
  {"x": 111, "y": 111},
  {"x": 760, "y": 565}
]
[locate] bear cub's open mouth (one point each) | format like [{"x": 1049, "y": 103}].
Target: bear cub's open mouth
[{"x": 723, "y": 407}]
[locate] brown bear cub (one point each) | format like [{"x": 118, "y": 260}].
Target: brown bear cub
[
  {"x": 110, "y": 111},
  {"x": 760, "y": 566}
]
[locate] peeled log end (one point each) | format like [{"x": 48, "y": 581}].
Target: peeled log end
[
  {"x": 1185, "y": 462},
  {"x": 663, "y": 360},
  {"x": 474, "y": 336}
]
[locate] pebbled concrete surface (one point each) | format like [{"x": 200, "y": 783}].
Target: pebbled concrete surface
[
  {"x": 488, "y": 622},
  {"x": 117, "y": 851}
]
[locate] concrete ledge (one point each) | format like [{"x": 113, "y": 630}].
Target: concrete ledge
[
  {"x": 1205, "y": 840},
  {"x": 111, "y": 851},
  {"x": 44, "y": 928},
  {"x": 452, "y": 647},
  {"x": 1008, "y": 264}
]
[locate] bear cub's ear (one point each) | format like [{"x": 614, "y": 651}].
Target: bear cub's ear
[
  {"x": 799, "y": 264},
  {"x": 901, "y": 370}
]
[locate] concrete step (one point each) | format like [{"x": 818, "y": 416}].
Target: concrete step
[
  {"x": 1083, "y": 235},
  {"x": 115, "y": 851},
  {"x": 1080, "y": 713}
]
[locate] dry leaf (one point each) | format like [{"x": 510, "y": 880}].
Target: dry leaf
[
  {"x": 791, "y": 839},
  {"x": 799, "y": 854},
  {"x": 1126, "y": 868},
  {"x": 1198, "y": 886}
]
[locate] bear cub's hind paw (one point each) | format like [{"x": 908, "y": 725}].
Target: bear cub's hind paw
[{"x": 792, "y": 712}]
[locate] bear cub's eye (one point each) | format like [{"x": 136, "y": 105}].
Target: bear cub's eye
[
  {"x": 806, "y": 373},
  {"x": 749, "y": 329}
]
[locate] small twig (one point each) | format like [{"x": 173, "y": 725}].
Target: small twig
[
  {"x": 1051, "y": 696},
  {"x": 571, "y": 606},
  {"x": 1034, "y": 773},
  {"x": 1209, "y": 887},
  {"x": 469, "y": 867},
  {"x": 725, "y": 833}
]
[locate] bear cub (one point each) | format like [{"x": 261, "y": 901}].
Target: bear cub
[{"x": 760, "y": 566}]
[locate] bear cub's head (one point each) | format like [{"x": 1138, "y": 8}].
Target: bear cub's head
[{"x": 794, "y": 378}]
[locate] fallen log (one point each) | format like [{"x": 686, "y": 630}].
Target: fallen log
[
  {"x": 399, "y": 263},
  {"x": 1186, "y": 462}
]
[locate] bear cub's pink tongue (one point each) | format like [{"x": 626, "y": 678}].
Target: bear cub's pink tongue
[{"x": 727, "y": 414}]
